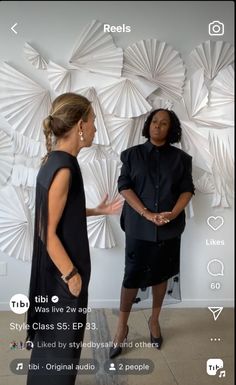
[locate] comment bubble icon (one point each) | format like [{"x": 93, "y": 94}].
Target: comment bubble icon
[{"x": 215, "y": 267}]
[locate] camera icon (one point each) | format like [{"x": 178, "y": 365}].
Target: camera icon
[{"x": 216, "y": 28}]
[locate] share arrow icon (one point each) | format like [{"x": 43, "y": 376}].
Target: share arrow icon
[{"x": 215, "y": 311}]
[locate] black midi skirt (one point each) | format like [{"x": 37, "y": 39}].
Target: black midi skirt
[{"x": 150, "y": 263}]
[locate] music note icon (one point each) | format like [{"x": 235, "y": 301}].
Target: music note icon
[
  {"x": 19, "y": 366},
  {"x": 222, "y": 373}
]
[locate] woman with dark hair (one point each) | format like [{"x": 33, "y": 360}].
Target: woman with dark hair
[
  {"x": 61, "y": 261},
  {"x": 156, "y": 183}
]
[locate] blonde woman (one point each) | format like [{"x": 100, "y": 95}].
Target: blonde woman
[{"x": 61, "y": 259}]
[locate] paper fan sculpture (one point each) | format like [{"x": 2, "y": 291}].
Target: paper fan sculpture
[
  {"x": 6, "y": 157},
  {"x": 34, "y": 57},
  {"x": 136, "y": 132},
  {"x": 59, "y": 78},
  {"x": 100, "y": 233},
  {"x": 195, "y": 94},
  {"x": 24, "y": 176},
  {"x": 96, "y": 152},
  {"x": 222, "y": 170},
  {"x": 16, "y": 228},
  {"x": 212, "y": 56},
  {"x": 29, "y": 196},
  {"x": 26, "y": 146},
  {"x": 196, "y": 145},
  {"x": 119, "y": 130},
  {"x": 103, "y": 174},
  {"x": 158, "y": 62},
  {"x": 100, "y": 178},
  {"x": 205, "y": 184},
  {"x": 159, "y": 102},
  {"x": 95, "y": 51},
  {"x": 214, "y": 117},
  {"x": 23, "y": 103},
  {"x": 123, "y": 99},
  {"x": 222, "y": 88},
  {"x": 101, "y": 136}
]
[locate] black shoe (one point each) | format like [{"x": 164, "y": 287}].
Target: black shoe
[
  {"x": 116, "y": 349},
  {"x": 156, "y": 341}
]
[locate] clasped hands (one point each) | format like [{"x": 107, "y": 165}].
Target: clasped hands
[{"x": 159, "y": 219}]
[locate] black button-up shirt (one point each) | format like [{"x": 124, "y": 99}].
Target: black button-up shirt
[{"x": 158, "y": 175}]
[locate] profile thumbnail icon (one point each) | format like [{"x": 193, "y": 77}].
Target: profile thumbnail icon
[{"x": 19, "y": 303}]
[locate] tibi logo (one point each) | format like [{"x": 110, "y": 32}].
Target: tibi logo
[{"x": 19, "y": 303}]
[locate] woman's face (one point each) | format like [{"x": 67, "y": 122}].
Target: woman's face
[
  {"x": 159, "y": 127},
  {"x": 89, "y": 129}
]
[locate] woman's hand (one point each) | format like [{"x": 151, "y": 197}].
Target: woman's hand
[
  {"x": 150, "y": 216},
  {"x": 165, "y": 217},
  {"x": 75, "y": 284},
  {"x": 159, "y": 219},
  {"x": 111, "y": 208}
]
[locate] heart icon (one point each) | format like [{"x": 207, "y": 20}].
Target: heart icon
[{"x": 215, "y": 222}]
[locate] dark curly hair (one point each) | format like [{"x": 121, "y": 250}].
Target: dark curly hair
[{"x": 175, "y": 132}]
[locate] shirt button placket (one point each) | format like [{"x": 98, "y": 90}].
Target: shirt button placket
[{"x": 157, "y": 186}]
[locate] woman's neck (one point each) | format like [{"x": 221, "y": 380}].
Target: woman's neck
[
  {"x": 158, "y": 143},
  {"x": 67, "y": 146}
]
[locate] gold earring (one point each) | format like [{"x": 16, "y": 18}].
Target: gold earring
[{"x": 81, "y": 136}]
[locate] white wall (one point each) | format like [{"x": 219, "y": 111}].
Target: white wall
[{"x": 53, "y": 27}]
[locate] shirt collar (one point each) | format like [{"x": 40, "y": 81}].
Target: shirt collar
[{"x": 149, "y": 146}]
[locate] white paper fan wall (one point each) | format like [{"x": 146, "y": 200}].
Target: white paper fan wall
[
  {"x": 16, "y": 228},
  {"x": 6, "y": 157},
  {"x": 104, "y": 175},
  {"x": 145, "y": 86},
  {"x": 34, "y": 57},
  {"x": 212, "y": 56},
  {"x": 216, "y": 117},
  {"x": 100, "y": 178},
  {"x": 222, "y": 170},
  {"x": 119, "y": 130},
  {"x": 59, "y": 78},
  {"x": 100, "y": 233},
  {"x": 29, "y": 196},
  {"x": 136, "y": 132},
  {"x": 159, "y": 102},
  {"x": 222, "y": 88},
  {"x": 205, "y": 184},
  {"x": 157, "y": 62},
  {"x": 195, "y": 94},
  {"x": 123, "y": 99},
  {"x": 101, "y": 136},
  {"x": 23, "y": 176},
  {"x": 26, "y": 146},
  {"x": 189, "y": 210},
  {"x": 23, "y": 103},
  {"x": 96, "y": 152},
  {"x": 196, "y": 145},
  {"x": 95, "y": 51}
]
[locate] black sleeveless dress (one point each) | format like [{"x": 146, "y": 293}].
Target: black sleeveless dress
[{"x": 57, "y": 335}]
